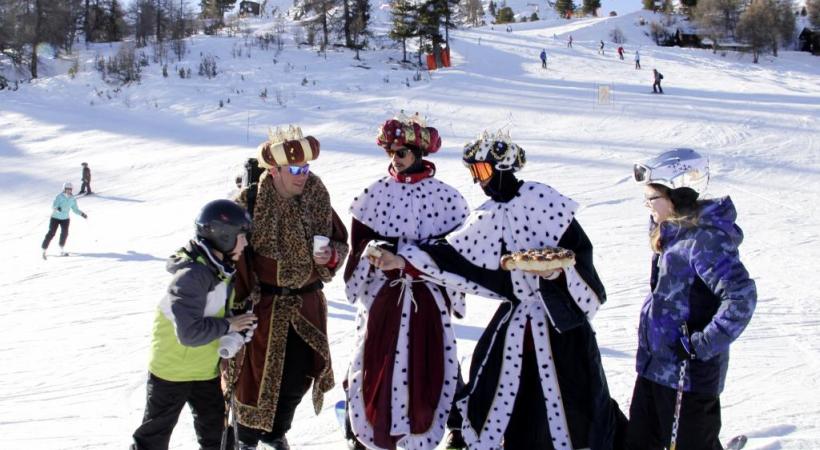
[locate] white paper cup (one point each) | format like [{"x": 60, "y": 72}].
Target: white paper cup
[{"x": 319, "y": 242}]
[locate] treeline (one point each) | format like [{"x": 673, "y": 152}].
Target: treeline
[
  {"x": 26, "y": 24},
  {"x": 759, "y": 24}
]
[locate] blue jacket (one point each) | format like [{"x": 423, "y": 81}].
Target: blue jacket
[
  {"x": 61, "y": 204},
  {"x": 698, "y": 279}
]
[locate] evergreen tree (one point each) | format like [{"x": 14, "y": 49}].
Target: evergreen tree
[
  {"x": 591, "y": 7},
  {"x": 404, "y": 24},
  {"x": 648, "y": 5},
  {"x": 565, "y": 8}
]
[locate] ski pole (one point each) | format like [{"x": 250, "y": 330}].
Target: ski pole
[{"x": 679, "y": 397}]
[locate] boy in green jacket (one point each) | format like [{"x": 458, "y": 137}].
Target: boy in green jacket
[{"x": 188, "y": 326}]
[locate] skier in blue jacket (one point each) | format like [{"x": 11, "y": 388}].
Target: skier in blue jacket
[
  {"x": 63, "y": 202},
  {"x": 697, "y": 280}
]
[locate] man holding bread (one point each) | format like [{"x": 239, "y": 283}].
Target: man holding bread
[
  {"x": 402, "y": 380},
  {"x": 298, "y": 243},
  {"x": 536, "y": 379}
]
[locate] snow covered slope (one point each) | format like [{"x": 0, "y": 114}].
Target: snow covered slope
[{"x": 76, "y": 329}]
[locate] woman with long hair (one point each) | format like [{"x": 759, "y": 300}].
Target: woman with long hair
[{"x": 701, "y": 299}]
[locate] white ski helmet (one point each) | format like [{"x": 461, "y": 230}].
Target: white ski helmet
[
  {"x": 675, "y": 168},
  {"x": 68, "y": 185}
]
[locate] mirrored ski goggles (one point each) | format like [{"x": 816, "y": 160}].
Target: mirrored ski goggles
[
  {"x": 481, "y": 171},
  {"x": 299, "y": 170}
]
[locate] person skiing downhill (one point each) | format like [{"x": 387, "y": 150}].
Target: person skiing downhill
[
  {"x": 621, "y": 52},
  {"x": 63, "y": 202},
  {"x": 697, "y": 280},
  {"x": 656, "y": 86},
  {"x": 543, "y": 58},
  {"x": 637, "y": 59},
  {"x": 188, "y": 325},
  {"x": 85, "y": 188}
]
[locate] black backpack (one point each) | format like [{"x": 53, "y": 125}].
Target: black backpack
[{"x": 252, "y": 174}]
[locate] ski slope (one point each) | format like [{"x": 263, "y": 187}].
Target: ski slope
[{"x": 76, "y": 330}]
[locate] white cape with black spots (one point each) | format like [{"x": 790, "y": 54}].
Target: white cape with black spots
[
  {"x": 411, "y": 211},
  {"x": 535, "y": 218}
]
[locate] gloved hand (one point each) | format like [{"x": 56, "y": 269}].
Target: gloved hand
[
  {"x": 684, "y": 349},
  {"x": 59, "y": 208},
  {"x": 84, "y": 215}
]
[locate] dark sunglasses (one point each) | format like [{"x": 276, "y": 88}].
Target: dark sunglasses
[
  {"x": 401, "y": 153},
  {"x": 299, "y": 170},
  {"x": 481, "y": 171}
]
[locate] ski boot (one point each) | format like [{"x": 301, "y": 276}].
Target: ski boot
[
  {"x": 63, "y": 252},
  {"x": 455, "y": 440},
  {"x": 44, "y": 255}
]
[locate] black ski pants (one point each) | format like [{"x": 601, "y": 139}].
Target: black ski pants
[
  {"x": 52, "y": 230},
  {"x": 295, "y": 384},
  {"x": 652, "y": 413},
  {"x": 656, "y": 87},
  {"x": 165, "y": 400},
  {"x": 85, "y": 188}
]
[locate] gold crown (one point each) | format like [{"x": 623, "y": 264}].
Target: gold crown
[{"x": 279, "y": 135}]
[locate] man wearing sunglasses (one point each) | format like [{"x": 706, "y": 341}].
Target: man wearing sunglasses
[
  {"x": 536, "y": 372},
  {"x": 282, "y": 278},
  {"x": 404, "y": 374}
]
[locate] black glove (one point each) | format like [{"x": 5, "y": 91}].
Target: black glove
[
  {"x": 684, "y": 349},
  {"x": 85, "y": 216},
  {"x": 59, "y": 209}
]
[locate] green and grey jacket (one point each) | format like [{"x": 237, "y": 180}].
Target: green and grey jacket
[{"x": 190, "y": 318}]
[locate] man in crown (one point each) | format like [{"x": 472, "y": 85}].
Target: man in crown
[
  {"x": 282, "y": 277},
  {"x": 402, "y": 380},
  {"x": 536, "y": 379}
]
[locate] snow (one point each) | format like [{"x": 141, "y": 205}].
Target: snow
[{"x": 76, "y": 330}]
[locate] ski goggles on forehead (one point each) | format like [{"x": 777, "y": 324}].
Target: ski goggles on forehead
[
  {"x": 299, "y": 170},
  {"x": 481, "y": 171},
  {"x": 641, "y": 173}
]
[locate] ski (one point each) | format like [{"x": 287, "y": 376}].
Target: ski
[{"x": 737, "y": 442}]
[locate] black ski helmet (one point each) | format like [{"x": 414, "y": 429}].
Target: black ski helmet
[{"x": 220, "y": 222}]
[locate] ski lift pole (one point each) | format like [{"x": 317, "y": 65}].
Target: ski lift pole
[{"x": 679, "y": 397}]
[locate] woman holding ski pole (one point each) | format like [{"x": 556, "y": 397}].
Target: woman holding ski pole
[{"x": 701, "y": 298}]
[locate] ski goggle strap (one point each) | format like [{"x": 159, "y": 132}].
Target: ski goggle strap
[{"x": 481, "y": 171}]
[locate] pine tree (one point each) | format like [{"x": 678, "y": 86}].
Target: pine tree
[
  {"x": 648, "y": 5},
  {"x": 565, "y": 7},
  {"x": 404, "y": 24},
  {"x": 591, "y": 7}
]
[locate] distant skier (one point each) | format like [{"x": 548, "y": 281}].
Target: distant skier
[
  {"x": 544, "y": 58},
  {"x": 85, "y": 188},
  {"x": 656, "y": 86},
  {"x": 569, "y": 42},
  {"x": 621, "y": 52},
  {"x": 64, "y": 202},
  {"x": 637, "y": 60},
  {"x": 601, "y": 48}
]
